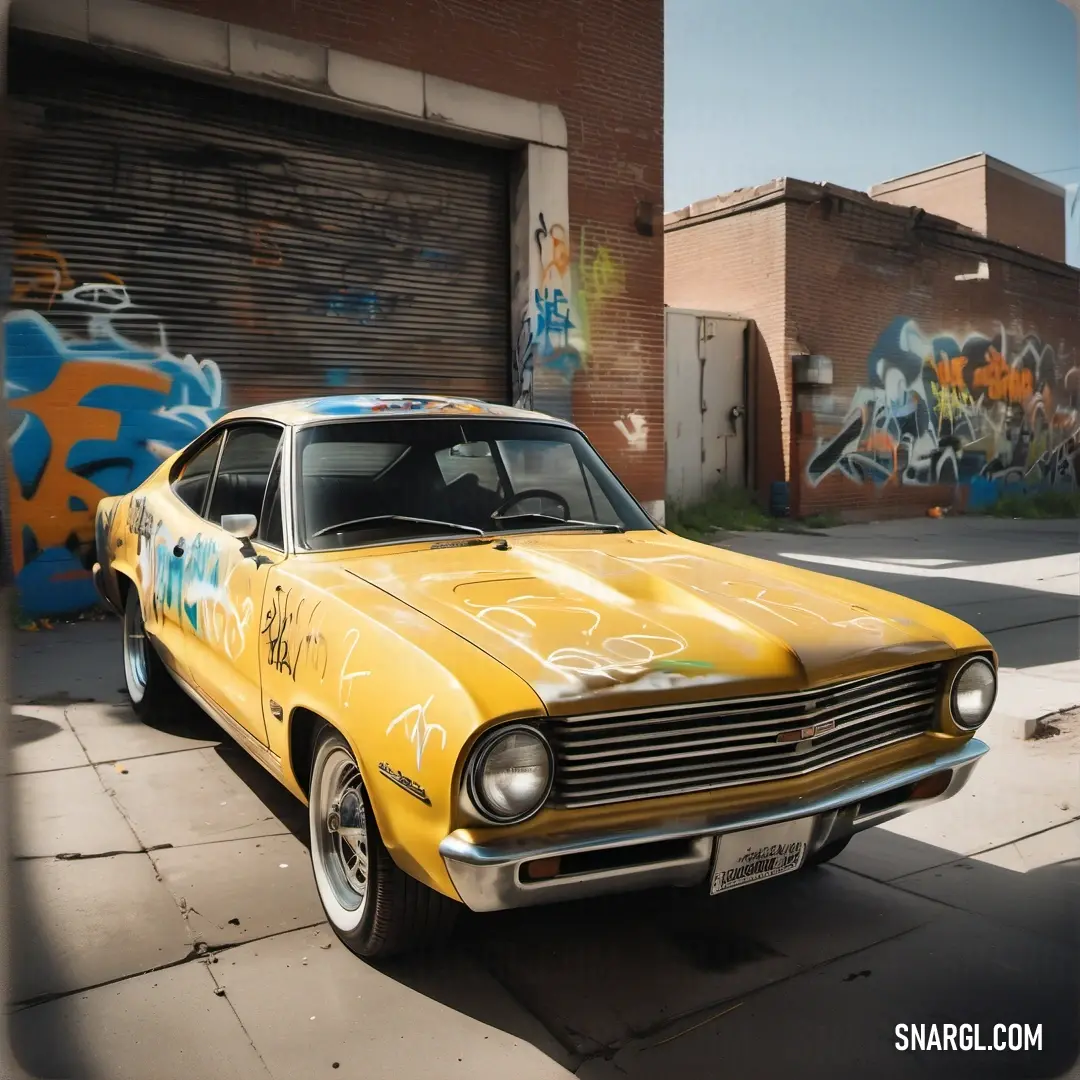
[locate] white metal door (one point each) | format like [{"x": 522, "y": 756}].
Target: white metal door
[
  {"x": 724, "y": 404},
  {"x": 704, "y": 404}
]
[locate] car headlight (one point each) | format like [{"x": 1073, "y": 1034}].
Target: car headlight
[
  {"x": 973, "y": 692},
  {"x": 511, "y": 773}
]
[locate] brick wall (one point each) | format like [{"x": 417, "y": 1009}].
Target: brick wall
[
  {"x": 602, "y": 64},
  {"x": 876, "y": 291},
  {"x": 735, "y": 263},
  {"x": 827, "y": 271},
  {"x": 1023, "y": 214}
]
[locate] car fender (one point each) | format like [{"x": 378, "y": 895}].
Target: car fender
[{"x": 409, "y": 696}]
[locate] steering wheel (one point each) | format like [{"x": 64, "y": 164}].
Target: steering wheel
[{"x": 530, "y": 493}]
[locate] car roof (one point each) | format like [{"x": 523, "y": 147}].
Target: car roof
[{"x": 301, "y": 411}]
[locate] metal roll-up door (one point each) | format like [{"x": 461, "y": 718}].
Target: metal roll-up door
[
  {"x": 181, "y": 249},
  {"x": 297, "y": 249}
]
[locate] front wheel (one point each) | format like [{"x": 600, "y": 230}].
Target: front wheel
[{"x": 374, "y": 907}]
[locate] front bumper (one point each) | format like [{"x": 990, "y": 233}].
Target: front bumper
[
  {"x": 99, "y": 587},
  {"x": 490, "y": 876}
]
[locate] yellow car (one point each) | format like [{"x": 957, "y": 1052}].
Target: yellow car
[{"x": 449, "y": 629}]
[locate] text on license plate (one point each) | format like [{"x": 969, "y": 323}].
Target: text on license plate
[{"x": 757, "y": 854}]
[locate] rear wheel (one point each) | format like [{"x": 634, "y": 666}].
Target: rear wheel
[
  {"x": 149, "y": 684},
  {"x": 374, "y": 907}
]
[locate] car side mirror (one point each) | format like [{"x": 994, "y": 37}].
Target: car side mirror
[{"x": 242, "y": 526}]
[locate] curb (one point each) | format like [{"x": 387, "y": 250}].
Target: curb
[{"x": 1043, "y": 727}]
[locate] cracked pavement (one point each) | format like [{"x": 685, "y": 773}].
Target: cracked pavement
[{"x": 166, "y": 923}]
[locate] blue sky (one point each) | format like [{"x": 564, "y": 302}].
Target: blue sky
[{"x": 859, "y": 91}]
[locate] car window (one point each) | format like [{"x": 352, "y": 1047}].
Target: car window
[
  {"x": 243, "y": 471},
  {"x": 394, "y": 480},
  {"x": 194, "y": 476},
  {"x": 349, "y": 458},
  {"x": 552, "y": 466},
  {"x": 271, "y": 527},
  {"x": 469, "y": 464}
]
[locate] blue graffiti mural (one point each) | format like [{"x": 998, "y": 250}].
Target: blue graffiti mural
[
  {"x": 983, "y": 411},
  {"x": 370, "y": 404},
  {"x": 360, "y": 305},
  {"x": 553, "y": 326},
  {"x": 92, "y": 416},
  {"x": 176, "y": 579}
]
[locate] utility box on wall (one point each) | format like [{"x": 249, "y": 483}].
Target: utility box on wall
[
  {"x": 706, "y": 404},
  {"x": 812, "y": 371}
]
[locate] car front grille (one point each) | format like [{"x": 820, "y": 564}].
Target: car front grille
[{"x": 643, "y": 754}]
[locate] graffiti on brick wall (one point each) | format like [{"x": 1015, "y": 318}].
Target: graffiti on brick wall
[
  {"x": 634, "y": 428},
  {"x": 92, "y": 413},
  {"x": 553, "y": 341},
  {"x": 977, "y": 410}
]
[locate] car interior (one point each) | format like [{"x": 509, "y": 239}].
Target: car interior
[
  {"x": 412, "y": 485},
  {"x": 347, "y": 477}
]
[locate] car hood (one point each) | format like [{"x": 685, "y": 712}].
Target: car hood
[{"x": 593, "y": 622}]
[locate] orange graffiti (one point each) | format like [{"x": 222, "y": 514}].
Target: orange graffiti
[
  {"x": 559, "y": 263},
  {"x": 950, "y": 370},
  {"x": 48, "y": 513},
  {"x": 38, "y": 274},
  {"x": 1002, "y": 382},
  {"x": 266, "y": 251},
  {"x": 881, "y": 442}
]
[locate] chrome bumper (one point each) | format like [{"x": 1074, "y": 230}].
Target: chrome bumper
[
  {"x": 488, "y": 877},
  {"x": 99, "y": 588}
]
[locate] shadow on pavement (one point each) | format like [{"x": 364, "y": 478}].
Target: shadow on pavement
[
  {"x": 24, "y": 920},
  {"x": 30, "y": 729},
  {"x": 818, "y": 971}
]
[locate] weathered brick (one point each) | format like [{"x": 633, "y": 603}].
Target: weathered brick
[
  {"x": 823, "y": 271},
  {"x": 602, "y": 64}
]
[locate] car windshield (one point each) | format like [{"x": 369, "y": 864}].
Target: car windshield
[{"x": 374, "y": 481}]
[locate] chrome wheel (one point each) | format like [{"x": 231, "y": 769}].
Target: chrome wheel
[
  {"x": 339, "y": 836},
  {"x": 136, "y": 655}
]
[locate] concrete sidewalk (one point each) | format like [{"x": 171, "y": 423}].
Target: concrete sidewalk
[{"x": 167, "y": 924}]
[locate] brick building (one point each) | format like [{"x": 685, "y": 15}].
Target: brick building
[
  {"x": 216, "y": 202},
  {"x": 903, "y": 359}
]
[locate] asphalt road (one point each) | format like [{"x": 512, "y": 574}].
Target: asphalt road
[{"x": 165, "y": 923}]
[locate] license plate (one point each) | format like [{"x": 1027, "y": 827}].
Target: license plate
[{"x": 743, "y": 858}]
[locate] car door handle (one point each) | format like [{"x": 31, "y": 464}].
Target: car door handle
[{"x": 178, "y": 549}]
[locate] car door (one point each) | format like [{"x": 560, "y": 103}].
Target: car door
[
  {"x": 163, "y": 522},
  {"x": 225, "y": 579}
]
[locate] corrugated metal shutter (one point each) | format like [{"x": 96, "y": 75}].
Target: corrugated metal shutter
[
  {"x": 297, "y": 249},
  {"x": 181, "y": 249}
]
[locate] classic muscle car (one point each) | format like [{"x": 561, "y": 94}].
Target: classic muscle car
[{"x": 448, "y": 628}]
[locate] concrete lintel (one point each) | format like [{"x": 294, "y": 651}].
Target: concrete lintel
[
  {"x": 254, "y": 54},
  {"x": 251, "y": 56},
  {"x": 376, "y": 85},
  {"x": 59, "y": 18},
  {"x": 190, "y": 40},
  {"x": 467, "y": 107}
]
